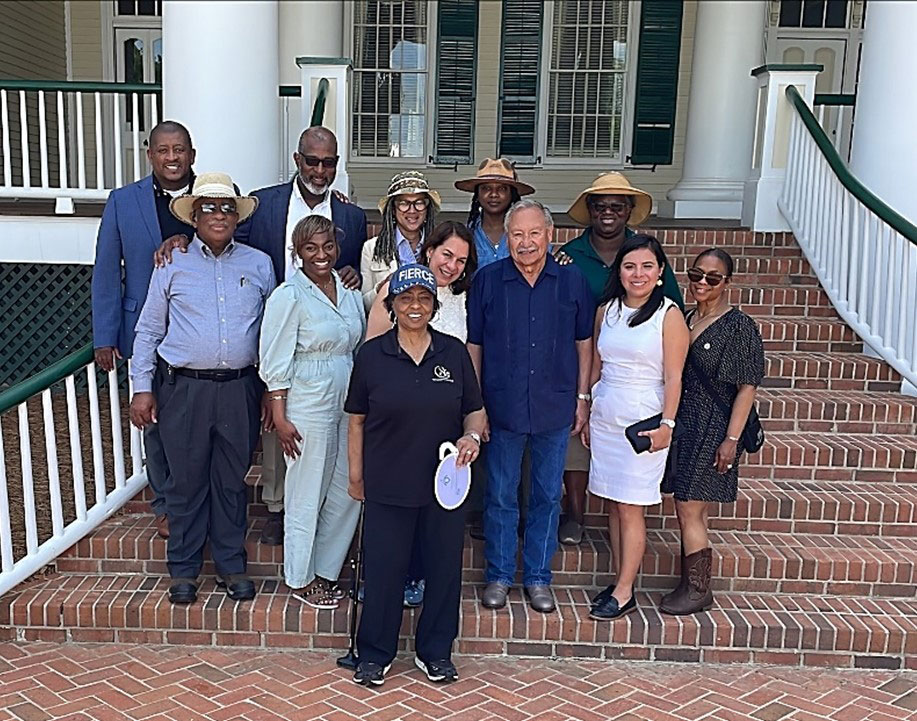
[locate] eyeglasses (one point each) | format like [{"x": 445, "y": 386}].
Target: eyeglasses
[
  {"x": 696, "y": 275},
  {"x": 418, "y": 205},
  {"x": 313, "y": 161},
  {"x": 226, "y": 208},
  {"x": 616, "y": 208}
]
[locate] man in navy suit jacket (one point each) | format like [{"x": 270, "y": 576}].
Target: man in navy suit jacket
[
  {"x": 135, "y": 221},
  {"x": 270, "y": 230}
]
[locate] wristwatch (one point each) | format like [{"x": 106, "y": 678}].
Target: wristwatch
[
  {"x": 667, "y": 422},
  {"x": 475, "y": 436},
  {"x": 584, "y": 397}
]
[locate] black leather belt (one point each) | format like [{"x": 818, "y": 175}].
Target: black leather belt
[{"x": 217, "y": 374}]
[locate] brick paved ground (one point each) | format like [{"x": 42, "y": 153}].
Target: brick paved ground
[{"x": 111, "y": 682}]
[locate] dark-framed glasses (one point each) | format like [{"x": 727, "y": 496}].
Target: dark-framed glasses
[
  {"x": 601, "y": 207},
  {"x": 313, "y": 161},
  {"x": 696, "y": 275},
  {"x": 226, "y": 207},
  {"x": 418, "y": 204}
]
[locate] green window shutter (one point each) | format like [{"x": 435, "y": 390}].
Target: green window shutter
[
  {"x": 657, "y": 82},
  {"x": 520, "y": 58},
  {"x": 456, "y": 60}
]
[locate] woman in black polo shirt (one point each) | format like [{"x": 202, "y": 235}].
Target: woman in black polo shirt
[{"x": 411, "y": 389}]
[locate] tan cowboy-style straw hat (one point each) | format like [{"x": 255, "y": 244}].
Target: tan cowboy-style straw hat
[
  {"x": 612, "y": 184},
  {"x": 410, "y": 181},
  {"x": 212, "y": 185},
  {"x": 495, "y": 171}
]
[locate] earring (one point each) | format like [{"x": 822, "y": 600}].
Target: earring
[
  {"x": 391, "y": 316},
  {"x": 659, "y": 282}
]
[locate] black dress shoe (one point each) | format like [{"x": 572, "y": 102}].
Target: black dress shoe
[
  {"x": 238, "y": 588},
  {"x": 610, "y": 610},
  {"x": 272, "y": 533},
  {"x": 183, "y": 591},
  {"x": 603, "y": 595}
]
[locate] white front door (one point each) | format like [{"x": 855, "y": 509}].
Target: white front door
[{"x": 138, "y": 59}]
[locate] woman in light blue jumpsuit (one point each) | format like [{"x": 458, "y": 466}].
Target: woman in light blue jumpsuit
[{"x": 311, "y": 330}]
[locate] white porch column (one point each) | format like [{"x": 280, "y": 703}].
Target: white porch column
[
  {"x": 728, "y": 43},
  {"x": 220, "y": 79},
  {"x": 884, "y": 154}
]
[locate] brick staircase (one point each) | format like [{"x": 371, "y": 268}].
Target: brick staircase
[{"x": 815, "y": 564}]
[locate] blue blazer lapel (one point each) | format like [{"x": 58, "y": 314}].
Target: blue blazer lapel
[{"x": 143, "y": 192}]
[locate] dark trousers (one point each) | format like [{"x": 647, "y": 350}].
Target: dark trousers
[
  {"x": 157, "y": 467},
  {"x": 388, "y": 535},
  {"x": 208, "y": 430}
]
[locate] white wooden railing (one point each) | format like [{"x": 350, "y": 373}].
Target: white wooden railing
[
  {"x": 55, "y": 515},
  {"x": 863, "y": 252},
  {"x": 74, "y": 140}
]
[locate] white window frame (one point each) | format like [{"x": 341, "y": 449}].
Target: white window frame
[
  {"x": 110, "y": 23},
  {"x": 425, "y": 160},
  {"x": 630, "y": 87}
]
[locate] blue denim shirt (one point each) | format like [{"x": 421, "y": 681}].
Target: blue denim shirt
[
  {"x": 528, "y": 337},
  {"x": 487, "y": 252}
]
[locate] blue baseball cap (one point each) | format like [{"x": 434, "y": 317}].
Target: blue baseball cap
[{"x": 411, "y": 276}]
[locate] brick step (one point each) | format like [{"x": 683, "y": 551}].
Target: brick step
[
  {"x": 808, "y": 335},
  {"x": 824, "y": 411},
  {"x": 834, "y": 457},
  {"x": 734, "y": 241},
  {"x": 829, "y": 371},
  {"x": 840, "y": 631},
  {"x": 683, "y": 258},
  {"x": 791, "y": 561},
  {"x": 784, "y": 301}
]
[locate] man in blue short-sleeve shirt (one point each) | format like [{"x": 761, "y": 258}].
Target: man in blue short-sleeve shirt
[{"x": 530, "y": 325}]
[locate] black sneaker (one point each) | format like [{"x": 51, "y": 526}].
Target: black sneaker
[
  {"x": 438, "y": 671},
  {"x": 370, "y": 674}
]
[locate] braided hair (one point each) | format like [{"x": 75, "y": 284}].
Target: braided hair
[
  {"x": 386, "y": 250},
  {"x": 474, "y": 215}
]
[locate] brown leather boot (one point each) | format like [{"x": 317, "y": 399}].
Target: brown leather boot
[
  {"x": 680, "y": 588},
  {"x": 697, "y": 595}
]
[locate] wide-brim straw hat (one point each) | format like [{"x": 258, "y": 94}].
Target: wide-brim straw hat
[
  {"x": 408, "y": 183},
  {"x": 612, "y": 184},
  {"x": 495, "y": 171},
  {"x": 212, "y": 185}
]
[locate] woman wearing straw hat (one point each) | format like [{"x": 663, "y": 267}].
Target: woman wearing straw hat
[
  {"x": 408, "y": 211},
  {"x": 495, "y": 187},
  {"x": 606, "y": 208}
]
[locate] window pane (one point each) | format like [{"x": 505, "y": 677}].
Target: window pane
[
  {"x": 146, "y": 7},
  {"x": 790, "y": 13},
  {"x": 389, "y": 79},
  {"x": 588, "y": 62},
  {"x": 836, "y": 15},
  {"x": 521, "y": 56},
  {"x": 125, "y": 7},
  {"x": 133, "y": 60},
  {"x": 157, "y": 60},
  {"x": 813, "y": 13}
]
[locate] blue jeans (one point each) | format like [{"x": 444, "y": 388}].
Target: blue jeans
[{"x": 501, "y": 509}]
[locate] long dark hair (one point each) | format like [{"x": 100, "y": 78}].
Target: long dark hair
[
  {"x": 385, "y": 250},
  {"x": 614, "y": 289},
  {"x": 474, "y": 215},
  {"x": 441, "y": 233}
]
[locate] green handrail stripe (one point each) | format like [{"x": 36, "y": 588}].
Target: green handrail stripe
[
  {"x": 12, "y": 397},
  {"x": 318, "y": 109},
  {"x": 847, "y": 99},
  {"x": 80, "y": 86},
  {"x": 848, "y": 180}
]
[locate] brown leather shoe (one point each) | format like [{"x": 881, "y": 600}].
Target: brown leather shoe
[
  {"x": 162, "y": 526},
  {"x": 696, "y": 595}
]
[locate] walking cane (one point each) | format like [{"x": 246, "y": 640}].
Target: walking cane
[{"x": 356, "y": 567}]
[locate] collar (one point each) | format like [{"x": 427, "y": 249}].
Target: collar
[
  {"x": 160, "y": 192},
  {"x": 207, "y": 253},
  {"x": 298, "y": 193},
  {"x": 399, "y": 239},
  {"x": 511, "y": 272},
  {"x": 390, "y": 345}
]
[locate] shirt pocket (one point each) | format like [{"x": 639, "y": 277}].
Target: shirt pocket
[
  {"x": 251, "y": 301},
  {"x": 565, "y": 367}
]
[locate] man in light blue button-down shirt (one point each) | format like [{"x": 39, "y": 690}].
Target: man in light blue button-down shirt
[{"x": 194, "y": 374}]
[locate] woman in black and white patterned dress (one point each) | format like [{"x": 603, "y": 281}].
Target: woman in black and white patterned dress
[{"x": 726, "y": 348}]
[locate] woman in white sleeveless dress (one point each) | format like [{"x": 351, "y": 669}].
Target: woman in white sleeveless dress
[
  {"x": 640, "y": 348},
  {"x": 450, "y": 254}
]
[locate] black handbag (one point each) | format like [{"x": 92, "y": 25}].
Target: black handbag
[
  {"x": 641, "y": 444},
  {"x": 752, "y": 436}
]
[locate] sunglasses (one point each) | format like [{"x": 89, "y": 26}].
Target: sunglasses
[
  {"x": 227, "y": 208},
  {"x": 313, "y": 162},
  {"x": 406, "y": 205},
  {"x": 616, "y": 208},
  {"x": 696, "y": 275}
]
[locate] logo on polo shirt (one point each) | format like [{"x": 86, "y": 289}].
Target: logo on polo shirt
[{"x": 441, "y": 375}]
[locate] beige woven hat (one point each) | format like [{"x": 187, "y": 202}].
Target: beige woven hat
[
  {"x": 408, "y": 182},
  {"x": 212, "y": 185},
  {"x": 495, "y": 171},
  {"x": 612, "y": 184}
]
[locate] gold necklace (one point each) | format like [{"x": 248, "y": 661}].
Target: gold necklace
[{"x": 698, "y": 319}]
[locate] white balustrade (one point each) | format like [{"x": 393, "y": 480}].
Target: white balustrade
[
  {"x": 863, "y": 252},
  {"x": 54, "y": 517}
]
